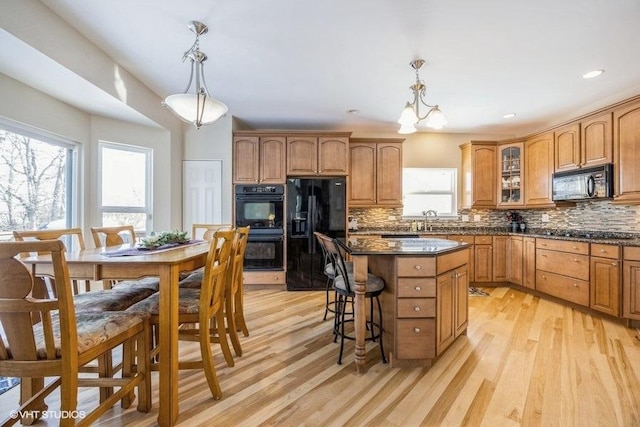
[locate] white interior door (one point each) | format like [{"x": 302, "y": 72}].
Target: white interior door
[{"x": 201, "y": 192}]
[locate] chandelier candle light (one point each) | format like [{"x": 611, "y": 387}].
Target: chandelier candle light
[
  {"x": 411, "y": 114},
  {"x": 198, "y": 108}
]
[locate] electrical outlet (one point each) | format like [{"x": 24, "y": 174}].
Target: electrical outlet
[
  {"x": 545, "y": 218},
  {"x": 465, "y": 218},
  {"x": 476, "y": 218},
  {"x": 392, "y": 218}
]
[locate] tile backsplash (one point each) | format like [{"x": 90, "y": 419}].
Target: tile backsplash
[{"x": 589, "y": 216}]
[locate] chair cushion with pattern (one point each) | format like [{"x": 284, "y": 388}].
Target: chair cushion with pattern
[
  {"x": 193, "y": 280},
  {"x": 152, "y": 283},
  {"x": 110, "y": 299},
  {"x": 93, "y": 328},
  {"x": 189, "y": 303}
]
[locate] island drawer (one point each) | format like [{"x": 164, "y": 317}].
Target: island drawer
[
  {"x": 564, "y": 246},
  {"x": 416, "y": 307},
  {"x": 416, "y": 266},
  {"x": 605, "y": 251},
  {"x": 632, "y": 253},
  {"x": 416, "y": 287},
  {"x": 416, "y": 338},
  {"x": 569, "y": 289}
]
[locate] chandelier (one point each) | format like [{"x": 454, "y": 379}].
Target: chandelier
[
  {"x": 198, "y": 107},
  {"x": 411, "y": 114}
]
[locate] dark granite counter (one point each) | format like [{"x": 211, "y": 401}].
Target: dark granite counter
[
  {"x": 401, "y": 246},
  {"x": 623, "y": 239}
]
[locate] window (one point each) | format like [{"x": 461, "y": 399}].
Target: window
[
  {"x": 429, "y": 188},
  {"x": 37, "y": 179},
  {"x": 125, "y": 186}
]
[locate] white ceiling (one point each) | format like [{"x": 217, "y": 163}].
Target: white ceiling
[{"x": 302, "y": 64}]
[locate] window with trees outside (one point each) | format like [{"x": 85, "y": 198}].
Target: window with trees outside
[
  {"x": 125, "y": 186},
  {"x": 37, "y": 175},
  {"x": 426, "y": 189}
]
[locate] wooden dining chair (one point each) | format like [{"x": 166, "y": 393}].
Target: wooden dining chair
[
  {"x": 48, "y": 338},
  {"x": 72, "y": 238},
  {"x": 234, "y": 290},
  {"x": 206, "y": 231},
  {"x": 199, "y": 306},
  {"x": 119, "y": 235}
]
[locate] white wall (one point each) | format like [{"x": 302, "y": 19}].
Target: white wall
[{"x": 214, "y": 142}]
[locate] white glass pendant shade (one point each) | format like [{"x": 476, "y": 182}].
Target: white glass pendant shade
[
  {"x": 197, "y": 109},
  {"x": 406, "y": 129},
  {"x": 408, "y": 116},
  {"x": 435, "y": 119}
]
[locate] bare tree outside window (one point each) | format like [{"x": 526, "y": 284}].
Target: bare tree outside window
[{"x": 32, "y": 182}]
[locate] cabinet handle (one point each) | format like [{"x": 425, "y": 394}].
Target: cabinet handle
[
  {"x": 602, "y": 251},
  {"x": 575, "y": 260},
  {"x": 543, "y": 244},
  {"x": 416, "y": 308},
  {"x": 544, "y": 277},
  {"x": 416, "y": 330},
  {"x": 418, "y": 288},
  {"x": 417, "y": 267},
  {"x": 575, "y": 285},
  {"x": 575, "y": 247},
  {"x": 543, "y": 255},
  {"x": 614, "y": 263}
]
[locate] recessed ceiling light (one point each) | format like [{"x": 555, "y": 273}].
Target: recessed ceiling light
[
  {"x": 508, "y": 115},
  {"x": 353, "y": 111},
  {"x": 592, "y": 74}
]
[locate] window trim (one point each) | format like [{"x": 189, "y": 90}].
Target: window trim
[
  {"x": 148, "y": 208},
  {"x": 454, "y": 193}
]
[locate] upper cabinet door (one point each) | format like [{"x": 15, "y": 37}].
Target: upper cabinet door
[
  {"x": 597, "y": 141},
  {"x": 511, "y": 182},
  {"x": 273, "y": 151},
  {"x": 302, "y": 155},
  {"x": 484, "y": 166},
  {"x": 246, "y": 160},
  {"x": 626, "y": 149},
  {"x": 333, "y": 156},
  {"x": 567, "y": 146},
  {"x": 362, "y": 182},
  {"x": 389, "y": 174},
  {"x": 538, "y": 155}
]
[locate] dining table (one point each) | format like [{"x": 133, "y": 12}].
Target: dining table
[{"x": 127, "y": 262}]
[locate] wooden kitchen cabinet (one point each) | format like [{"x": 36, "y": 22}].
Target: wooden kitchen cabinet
[
  {"x": 584, "y": 144},
  {"x": 514, "y": 258},
  {"x": 511, "y": 180},
  {"x": 376, "y": 172},
  {"x": 562, "y": 269},
  {"x": 317, "y": 155},
  {"x": 631, "y": 283},
  {"x": 483, "y": 259},
  {"x": 499, "y": 258},
  {"x": 452, "y": 313},
  {"x": 539, "y": 165},
  {"x": 470, "y": 239},
  {"x": 479, "y": 179},
  {"x": 605, "y": 279},
  {"x": 626, "y": 153},
  {"x": 258, "y": 159},
  {"x": 529, "y": 262}
]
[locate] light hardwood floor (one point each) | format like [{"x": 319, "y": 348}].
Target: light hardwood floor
[{"x": 525, "y": 361}]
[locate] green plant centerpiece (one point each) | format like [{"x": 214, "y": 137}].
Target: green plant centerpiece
[{"x": 164, "y": 238}]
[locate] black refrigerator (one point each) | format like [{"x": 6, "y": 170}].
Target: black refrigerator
[{"x": 313, "y": 204}]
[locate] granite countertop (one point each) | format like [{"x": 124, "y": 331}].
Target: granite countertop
[
  {"x": 624, "y": 239},
  {"x": 402, "y": 246}
]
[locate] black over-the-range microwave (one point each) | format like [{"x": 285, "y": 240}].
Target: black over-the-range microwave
[{"x": 583, "y": 184}]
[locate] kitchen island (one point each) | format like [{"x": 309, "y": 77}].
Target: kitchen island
[{"x": 425, "y": 301}]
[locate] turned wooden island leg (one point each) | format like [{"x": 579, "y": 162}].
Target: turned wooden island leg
[{"x": 360, "y": 269}]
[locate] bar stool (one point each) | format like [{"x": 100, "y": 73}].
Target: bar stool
[{"x": 343, "y": 285}]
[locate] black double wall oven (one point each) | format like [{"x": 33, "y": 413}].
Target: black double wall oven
[{"x": 262, "y": 208}]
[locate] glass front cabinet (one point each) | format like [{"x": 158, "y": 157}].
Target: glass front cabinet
[{"x": 510, "y": 187}]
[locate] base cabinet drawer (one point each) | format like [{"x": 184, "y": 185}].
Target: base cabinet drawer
[
  {"x": 416, "y": 338},
  {"x": 571, "y": 265},
  {"x": 567, "y": 288},
  {"x": 416, "y": 307}
]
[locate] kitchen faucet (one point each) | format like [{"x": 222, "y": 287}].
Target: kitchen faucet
[{"x": 427, "y": 214}]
